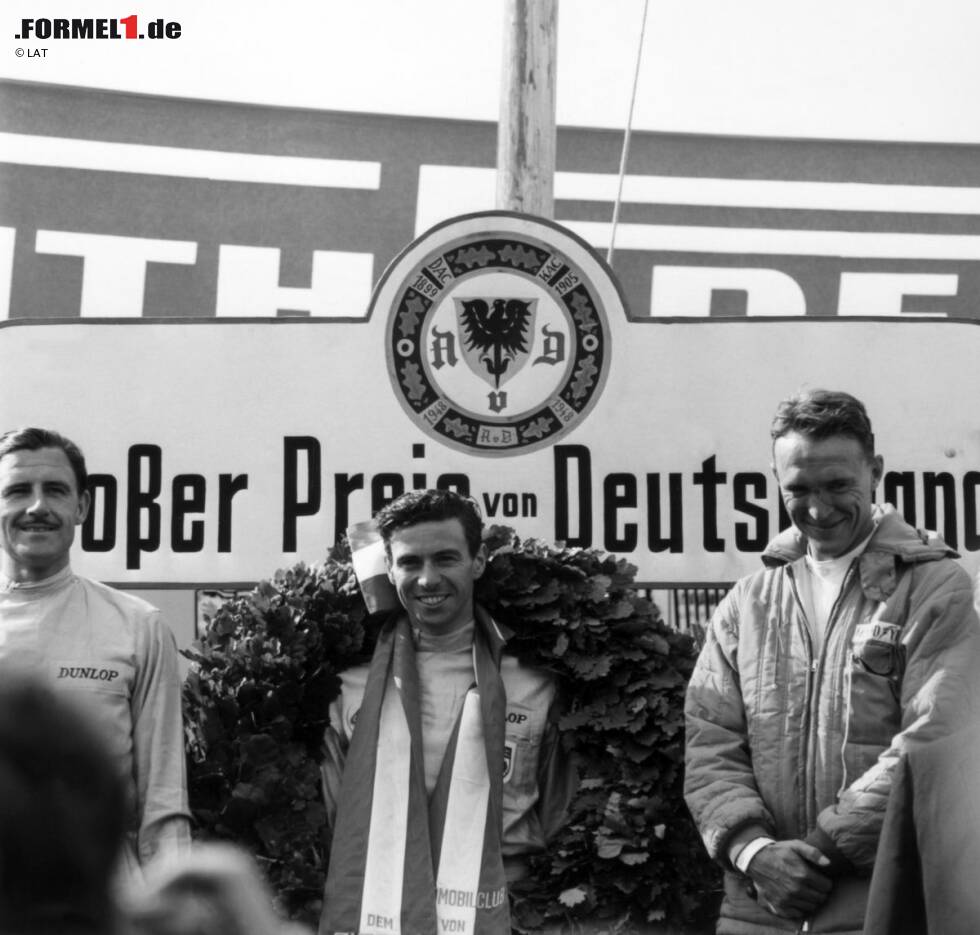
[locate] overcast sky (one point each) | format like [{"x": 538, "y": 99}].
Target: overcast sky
[{"x": 858, "y": 69}]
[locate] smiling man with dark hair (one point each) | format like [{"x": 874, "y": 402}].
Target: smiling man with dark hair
[
  {"x": 442, "y": 769},
  {"x": 857, "y": 642},
  {"x": 109, "y": 651}
]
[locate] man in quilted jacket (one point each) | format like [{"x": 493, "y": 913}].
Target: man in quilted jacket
[{"x": 856, "y": 642}]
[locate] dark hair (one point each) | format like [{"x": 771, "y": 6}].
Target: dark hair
[
  {"x": 33, "y": 439},
  {"x": 428, "y": 506},
  {"x": 823, "y": 414},
  {"x": 64, "y": 812}
]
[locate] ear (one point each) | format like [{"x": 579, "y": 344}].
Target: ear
[
  {"x": 877, "y": 470},
  {"x": 84, "y": 505},
  {"x": 480, "y": 562},
  {"x": 388, "y": 569},
  {"x": 775, "y": 474}
]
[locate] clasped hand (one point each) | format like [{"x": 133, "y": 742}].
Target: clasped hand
[{"x": 788, "y": 878}]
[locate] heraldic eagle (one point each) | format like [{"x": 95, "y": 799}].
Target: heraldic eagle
[{"x": 497, "y": 333}]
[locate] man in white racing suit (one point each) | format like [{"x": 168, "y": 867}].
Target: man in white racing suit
[{"x": 107, "y": 650}]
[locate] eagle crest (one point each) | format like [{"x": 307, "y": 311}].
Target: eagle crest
[{"x": 495, "y": 335}]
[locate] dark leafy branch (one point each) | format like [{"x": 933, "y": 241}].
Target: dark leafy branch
[{"x": 266, "y": 669}]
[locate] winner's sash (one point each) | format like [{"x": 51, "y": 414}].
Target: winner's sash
[{"x": 403, "y": 864}]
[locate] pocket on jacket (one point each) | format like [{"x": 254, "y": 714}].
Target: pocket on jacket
[
  {"x": 521, "y": 737},
  {"x": 876, "y": 670},
  {"x": 877, "y": 647},
  {"x": 883, "y": 659}
]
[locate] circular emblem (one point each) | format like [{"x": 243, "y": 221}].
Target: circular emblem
[{"x": 497, "y": 333}]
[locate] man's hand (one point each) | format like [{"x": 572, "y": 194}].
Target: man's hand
[{"x": 788, "y": 880}]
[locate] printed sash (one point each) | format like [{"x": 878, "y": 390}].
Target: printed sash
[{"x": 402, "y": 864}]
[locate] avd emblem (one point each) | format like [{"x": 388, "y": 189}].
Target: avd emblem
[{"x": 497, "y": 336}]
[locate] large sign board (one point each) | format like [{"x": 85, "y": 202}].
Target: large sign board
[
  {"x": 222, "y": 449},
  {"x": 186, "y": 288}
]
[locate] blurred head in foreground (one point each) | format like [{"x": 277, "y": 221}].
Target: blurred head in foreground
[
  {"x": 215, "y": 890},
  {"x": 62, "y": 815}
]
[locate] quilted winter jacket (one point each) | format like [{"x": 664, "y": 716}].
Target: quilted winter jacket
[{"x": 797, "y": 745}]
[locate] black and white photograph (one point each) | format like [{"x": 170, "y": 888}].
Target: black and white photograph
[{"x": 504, "y": 467}]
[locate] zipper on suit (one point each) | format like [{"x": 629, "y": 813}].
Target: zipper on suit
[
  {"x": 810, "y": 683},
  {"x": 816, "y": 668},
  {"x": 846, "y": 712},
  {"x": 816, "y": 665}
]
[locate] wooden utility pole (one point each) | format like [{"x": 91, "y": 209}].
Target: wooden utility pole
[{"x": 526, "y": 130}]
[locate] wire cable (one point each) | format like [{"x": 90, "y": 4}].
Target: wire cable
[{"x": 624, "y": 157}]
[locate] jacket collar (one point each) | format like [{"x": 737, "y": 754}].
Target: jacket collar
[{"x": 893, "y": 542}]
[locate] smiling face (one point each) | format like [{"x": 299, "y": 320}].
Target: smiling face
[
  {"x": 827, "y": 486},
  {"x": 40, "y": 506},
  {"x": 433, "y": 572}
]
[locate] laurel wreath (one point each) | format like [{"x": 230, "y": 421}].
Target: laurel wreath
[{"x": 266, "y": 667}]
